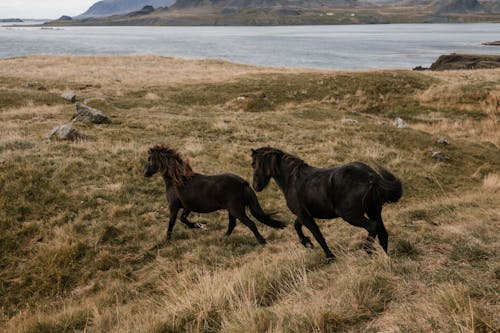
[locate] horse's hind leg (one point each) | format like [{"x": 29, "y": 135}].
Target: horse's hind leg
[
  {"x": 240, "y": 214},
  {"x": 191, "y": 225},
  {"x": 370, "y": 225},
  {"x": 231, "y": 225},
  {"x": 303, "y": 239},
  {"x": 383, "y": 236},
  {"x": 313, "y": 227}
]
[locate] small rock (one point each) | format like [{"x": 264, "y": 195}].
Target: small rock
[
  {"x": 443, "y": 141},
  {"x": 440, "y": 156},
  {"x": 349, "y": 121},
  {"x": 101, "y": 201},
  {"x": 70, "y": 96},
  {"x": 420, "y": 68},
  {"x": 254, "y": 96},
  {"x": 85, "y": 113},
  {"x": 399, "y": 123},
  {"x": 66, "y": 132},
  {"x": 96, "y": 99},
  {"x": 34, "y": 85}
]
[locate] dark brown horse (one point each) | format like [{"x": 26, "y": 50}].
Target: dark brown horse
[
  {"x": 194, "y": 192},
  {"x": 349, "y": 191}
]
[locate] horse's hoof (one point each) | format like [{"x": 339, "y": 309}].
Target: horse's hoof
[
  {"x": 262, "y": 242},
  {"x": 369, "y": 249},
  {"x": 307, "y": 243},
  {"x": 200, "y": 226},
  {"x": 330, "y": 259}
]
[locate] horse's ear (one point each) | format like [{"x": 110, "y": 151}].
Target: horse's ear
[{"x": 253, "y": 151}]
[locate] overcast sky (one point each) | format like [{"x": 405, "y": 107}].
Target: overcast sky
[{"x": 43, "y": 8}]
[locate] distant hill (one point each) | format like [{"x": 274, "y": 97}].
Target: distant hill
[
  {"x": 11, "y": 20},
  {"x": 283, "y": 12},
  {"x": 117, "y": 7},
  {"x": 458, "y": 7},
  {"x": 263, "y": 3}
]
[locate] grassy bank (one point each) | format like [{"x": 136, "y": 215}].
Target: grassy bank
[{"x": 81, "y": 231}]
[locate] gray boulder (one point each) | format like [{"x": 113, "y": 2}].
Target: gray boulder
[
  {"x": 399, "y": 123},
  {"x": 87, "y": 114},
  {"x": 443, "y": 141},
  {"x": 66, "y": 132},
  {"x": 349, "y": 121},
  {"x": 440, "y": 156},
  {"x": 70, "y": 96},
  {"x": 34, "y": 85}
]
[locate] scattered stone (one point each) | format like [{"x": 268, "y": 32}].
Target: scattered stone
[
  {"x": 101, "y": 201},
  {"x": 400, "y": 123},
  {"x": 254, "y": 96},
  {"x": 443, "y": 141},
  {"x": 495, "y": 43},
  {"x": 66, "y": 132},
  {"x": 440, "y": 156},
  {"x": 349, "y": 121},
  {"x": 87, "y": 101},
  {"x": 34, "y": 85},
  {"x": 70, "y": 96},
  {"x": 85, "y": 113}
]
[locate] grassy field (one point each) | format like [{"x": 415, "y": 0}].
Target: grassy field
[{"x": 81, "y": 231}]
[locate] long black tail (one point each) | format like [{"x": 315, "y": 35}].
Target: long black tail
[
  {"x": 257, "y": 211},
  {"x": 387, "y": 187}
]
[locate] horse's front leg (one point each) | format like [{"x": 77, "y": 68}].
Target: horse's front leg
[
  {"x": 303, "y": 239},
  {"x": 310, "y": 224},
  {"x": 174, "y": 209},
  {"x": 191, "y": 225}
]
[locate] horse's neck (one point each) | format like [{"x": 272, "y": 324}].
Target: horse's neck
[
  {"x": 284, "y": 178},
  {"x": 168, "y": 181}
]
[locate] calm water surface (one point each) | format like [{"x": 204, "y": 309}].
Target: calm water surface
[{"x": 332, "y": 47}]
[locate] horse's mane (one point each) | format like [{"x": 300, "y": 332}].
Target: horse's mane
[
  {"x": 273, "y": 155},
  {"x": 171, "y": 164}
]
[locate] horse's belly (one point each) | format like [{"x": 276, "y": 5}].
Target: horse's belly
[
  {"x": 322, "y": 212},
  {"x": 201, "y": 206}
]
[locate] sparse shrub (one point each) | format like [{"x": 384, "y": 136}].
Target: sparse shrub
[
  {"x": 406, "y": 248},
  {"x": 469, "y": 253},
  {"x": 67, "y": 322}
]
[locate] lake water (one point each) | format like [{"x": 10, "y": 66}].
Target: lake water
[{"x": 331, "y": 47}]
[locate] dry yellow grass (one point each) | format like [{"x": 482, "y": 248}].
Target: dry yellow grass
[{"x": 81, "y": 230}]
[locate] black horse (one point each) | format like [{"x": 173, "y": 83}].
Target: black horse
[
  {"x": 204, "y": 194},
  {"x": 348, "y": 191}
]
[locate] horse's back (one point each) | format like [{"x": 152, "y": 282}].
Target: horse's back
[{"x": 331, "y": 192}]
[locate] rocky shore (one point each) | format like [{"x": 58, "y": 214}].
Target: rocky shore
[{"x": 463, "y": 61}]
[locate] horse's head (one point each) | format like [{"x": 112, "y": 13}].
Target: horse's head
[
  {"x": 264, "y": 164},
  {"x": 152, "y": 165},
  {"x": 169, "y": 163}
]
